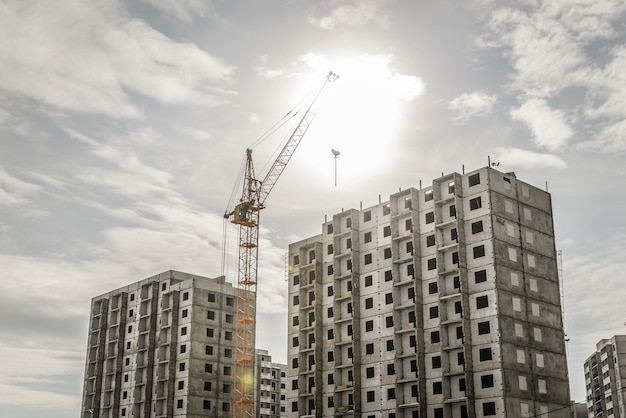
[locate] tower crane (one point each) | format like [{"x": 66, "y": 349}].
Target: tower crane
[{"x": 245, "y": 214}]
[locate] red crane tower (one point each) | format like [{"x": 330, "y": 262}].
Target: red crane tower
[{"x": 245, "y": 214}]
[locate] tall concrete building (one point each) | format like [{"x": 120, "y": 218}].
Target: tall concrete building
[
  {"x": 270, "y": 386},
  {"x": 161, "y": 347},
  {"x": 440, "y": 302},
  {"x": 605, "y": 378}
]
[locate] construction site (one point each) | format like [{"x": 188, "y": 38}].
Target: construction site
[{"x": 440, "y": 301}]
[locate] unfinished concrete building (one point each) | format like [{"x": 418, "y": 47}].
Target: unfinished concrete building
[
  {"x": 441, "y": 302},
  {"x": 161, "y": 347},
  {"x": 605, "y": 379}
]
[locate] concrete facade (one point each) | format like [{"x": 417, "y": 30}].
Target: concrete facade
[
  {"x": 161, "y": 347},
  {"x": 440, "y": 302},
  {"x": 270, "y": 386},
  {"x": 605, "y": 379}
]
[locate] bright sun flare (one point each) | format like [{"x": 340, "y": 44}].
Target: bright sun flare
[{"x": 359, "y": 115}]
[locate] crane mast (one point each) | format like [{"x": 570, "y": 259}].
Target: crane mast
[{"x": 246, "y": 216}]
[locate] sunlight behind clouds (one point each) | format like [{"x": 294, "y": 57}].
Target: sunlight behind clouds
[{"x": 361, "y": 111}]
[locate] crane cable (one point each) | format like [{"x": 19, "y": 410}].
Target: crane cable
[
  {"x": 225, "y": 229},
  {"x": 288, "y": 116},
  {"x": 225, "y": 236},
  {"x": 307, "y": 100},
  {"x": 280, "y": 123},
  {"x": 236, "y": 187}
]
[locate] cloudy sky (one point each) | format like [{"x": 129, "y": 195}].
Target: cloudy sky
[{"x": 123, "y": 125}]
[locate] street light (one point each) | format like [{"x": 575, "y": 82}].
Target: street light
[{"x": 336, "y": 155}]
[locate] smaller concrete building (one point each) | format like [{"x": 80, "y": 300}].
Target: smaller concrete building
[
  {"x": 605, "y": 379},
  {"x": 270, "y": 379},
  {"x": 579, "y": 410}
]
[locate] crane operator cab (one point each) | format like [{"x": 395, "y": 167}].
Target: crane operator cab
[{"x": 242, "y": 214}]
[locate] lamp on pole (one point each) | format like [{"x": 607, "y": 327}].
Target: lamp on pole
[{"x": 336, "y": 155}]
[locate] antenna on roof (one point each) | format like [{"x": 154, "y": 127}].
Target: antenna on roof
[{"x": 559, "y": 254}]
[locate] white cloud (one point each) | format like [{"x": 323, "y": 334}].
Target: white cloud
[
  {"x": 533, "y": 40},
  {"x": 549, "y": 126},
  {"x": 19, "y": 186},
  {"x": 472, "y": 105},
  {"x": 10, "y": 199},
  {"x": 38, "y": 280},
  {"x": 82, "y": 57},
  {"x": 196, "y": 134},
  {"x": 122, "y": 183},
  {"x": 185, "y": 10},
  {"x": 406, "y": 87},
  {"x": 519, "y": 158},
  {"x": 546, "y": 43},
  {"x": 47, "y": 180},
  {"x": 18, "y": 194},
  {"x": 5, "y": 117},
  {"x": 265, "y": 72},
  {"x": 610, "y": 139},
  {"x": 586, "y": 19},
  {"x": 353, "y": 13},
  {"x": 268, "y": 73},
  {"x": 612, "y": 86},
  {"x": 25, "y": 369},
  {"x": 556, "y": 45},
  {"x": 135, "y": 178},
  {"x": 312, "y": 60},
  {"x": 159, "y": 248},
  {"x": 171, "y": 72}
]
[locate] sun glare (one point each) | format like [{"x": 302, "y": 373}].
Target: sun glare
[{"x": 359, "y": 115}]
